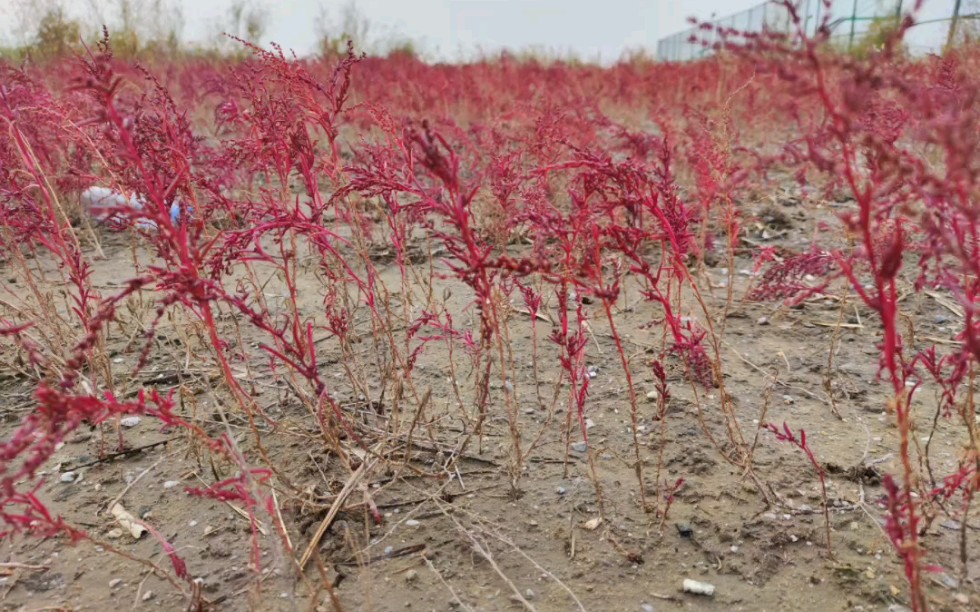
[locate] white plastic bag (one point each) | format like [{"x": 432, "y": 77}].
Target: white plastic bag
[{"x": 106, "y": 205}]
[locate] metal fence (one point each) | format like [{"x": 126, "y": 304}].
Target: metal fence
[{"x": 849, "y": 21}]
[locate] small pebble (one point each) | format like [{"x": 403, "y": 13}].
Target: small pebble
[
  {"x": 389, "y": 550},
  {"x": 78, "y": 438},
  {"x": 170, "y": 484},
  {"x": 763, "y": 321},
  {"x": 192, "y": 524},
  {"x": 68, "y": 477},
  {"x": 685, "y": 530},
  {"x": 148, "y": 596},
  {"x": 411, "y": 576},
  {"x": 961, "y": 598},
  {"x": 130, "y": 421},
  {"x": 412, "y": 523},
  {"x": 529, "y": 594},
  {"x": 580, "y": 447},
  {"x": 653, "y": 396},
  {"x": 646, "y": 608},
  {"x": 115, "y": 582},
  {"x": 560, "y": 490},
  {"x": 114, "y": 534},
  {"x": 949, "y": 582}
]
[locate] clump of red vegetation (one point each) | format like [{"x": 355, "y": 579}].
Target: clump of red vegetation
[{"x": 518, "y": 179}]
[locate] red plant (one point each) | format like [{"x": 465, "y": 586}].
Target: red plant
[
  {"x": 795, "y": 278},
  {"x": 484, "y": 178},
  {"x": 786, "y": 435}
]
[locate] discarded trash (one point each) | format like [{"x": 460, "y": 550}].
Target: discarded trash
[
  {"x": 592, "y": 524},
  {"x": 128, "y": 521},
  {"x": 109, "y": 206},
  {"x": 698, "y": 588},
  {"x": 130, "y": 421}
]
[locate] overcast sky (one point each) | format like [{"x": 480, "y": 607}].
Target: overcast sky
[
  {"x": 449, "y": 29},
  {"x": 456, "y": 29}
]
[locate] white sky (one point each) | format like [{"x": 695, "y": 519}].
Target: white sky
[
  {"x": 455, "y": 29},
  {"x": 450, "y": 29}
]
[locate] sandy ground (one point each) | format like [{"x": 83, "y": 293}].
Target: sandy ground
[{"x": 461, "y": 537}]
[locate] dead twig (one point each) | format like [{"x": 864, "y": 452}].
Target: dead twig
[
  {"x": 484, "y": 551},
  {"x": 946, "y": 303},
  {"x": 449, "y": 587},
  {"x": 129, "y": 486},
  {"x": 239, "y": 511},
  {"x": 395, "y": 554},
  {"x": 338, "y": 504},
  {"x": 122, "y": 453}
]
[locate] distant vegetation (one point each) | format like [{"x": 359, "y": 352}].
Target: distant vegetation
[{"x": 48, "y": 29}]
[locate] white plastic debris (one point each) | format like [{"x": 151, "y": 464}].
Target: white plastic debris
[
  {"x": 127, "y": 521},
  {"x": 698, "y": 588},
  {"x": 108, "y": 205},
  {"x": 593, "y": 524},
  {"x": 130, "y": 421}
]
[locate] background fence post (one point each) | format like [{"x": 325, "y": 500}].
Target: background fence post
[
  {"x": 952, "y": 26},
  {"x": 676, "y": 47}
]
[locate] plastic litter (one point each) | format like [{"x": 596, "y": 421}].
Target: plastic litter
[{"x": 106, "y": 205}]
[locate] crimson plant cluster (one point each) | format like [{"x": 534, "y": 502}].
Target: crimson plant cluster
[{"x": 539, "y": 198}]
